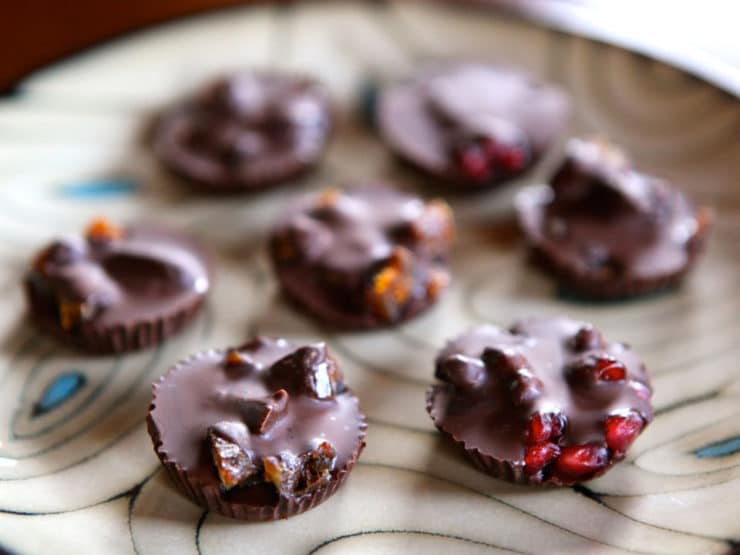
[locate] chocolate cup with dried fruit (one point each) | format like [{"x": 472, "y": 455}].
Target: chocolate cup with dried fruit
[
  {"x": 605, "y": 230},
  {"x": 469, "y": 125},
  {"x": 364, "y": 258},
  {"x": 117, "y": 289},
  {"x": 549, "y": 401},
  {"x": 264, "y": 431},
  {"x": 246, "y": 131}
]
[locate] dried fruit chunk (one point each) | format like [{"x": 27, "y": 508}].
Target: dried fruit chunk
[
  {"x": 233, "y": 464},
  {"x": 580, "y": 462},
  {"x": 538, "y": 456},
  {"x": 281, "y": 471},
  {"x": 308, "y": 370},
  {"x": 262, "y": 414},
  {"x": 317, "y": 466},
  {"x": 621, "y": 430},
  {"x": 100, "y": 229},
  {"x": 391, "y": 286},
  {"x": 464, "y": 372}
]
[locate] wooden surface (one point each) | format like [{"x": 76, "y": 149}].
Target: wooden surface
[{"x": 77, "y": 471}]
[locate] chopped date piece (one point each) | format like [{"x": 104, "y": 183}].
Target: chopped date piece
[
  {"x": 308, "y": 370},
  {"x": 262, "y": 414},
  {"x": 233, "y": 464},
  {"x": 317, "y": 467},
  {"x": 282, "y": 472}
]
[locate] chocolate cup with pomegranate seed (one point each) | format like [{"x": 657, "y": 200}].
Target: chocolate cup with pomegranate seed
[
  {"x": 264, "y": 431},
  {"x": 363, "y": 258},
  {"x": 549, "y": 401},
  {"x": 606, "y": 231},
  {"x": 246, "y": 131},
  {"x": 117, "y": 289},
  {"x": 471, "y": 125}
]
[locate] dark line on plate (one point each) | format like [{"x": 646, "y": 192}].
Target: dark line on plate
[{"x": 201, "y": 520}]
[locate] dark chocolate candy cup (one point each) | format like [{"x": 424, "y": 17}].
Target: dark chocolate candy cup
[
  {"x": 595, "y": 286},
  {"x": 128, "y": 330},
  {"x": 208, "y": 493},
  {"x": 205, "y": 172}
]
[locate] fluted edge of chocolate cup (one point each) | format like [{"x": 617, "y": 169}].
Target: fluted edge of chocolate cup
[{"x": 119, "y": 338}]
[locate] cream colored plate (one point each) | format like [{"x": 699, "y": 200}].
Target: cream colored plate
[{"x": 77, "y": 472}]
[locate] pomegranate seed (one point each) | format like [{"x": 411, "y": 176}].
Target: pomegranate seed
[
  {"x": 473, "y": 162},
  {"x": 579, "y": 462},
  {"x": 540, "y": 428},
  {"x": 621, "y": 430},
  {"x": 511, "y": 159},
  {"x": 545, "y": 427},
  {"x": 537, "y": 456},
  {"x": 610, "y": 370},
  {"x": 601, "y": 368}
]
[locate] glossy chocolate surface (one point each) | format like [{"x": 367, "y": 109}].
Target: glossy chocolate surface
[
  {"x": 364, "y": 257},
  {"x": 268, "y": 397},
  {"x": 139, "y": 275},
  {"x": 247, "y": 130},
  {"x": 495, "y": 380},
  {"x": 443, "y": 113},
  {"x": 604, "y": 221}
]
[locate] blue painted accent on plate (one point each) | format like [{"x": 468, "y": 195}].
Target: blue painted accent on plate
[
  {"x": 723, "y": 448},
  {"x": 99, "y": 188},
  {"x": 61, "y": 390}
]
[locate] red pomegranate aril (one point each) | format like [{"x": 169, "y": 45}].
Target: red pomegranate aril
[
  {"x": 610, "y": 370},
  {"x": 538, "y": 456},
  {"x": 511, "y": 159},
  {"x": 540, "y": 428},
  {"x": 621, "y": 430},
  {"x": 473, "y": 162},
  {"x": 580, "y": 462}
]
